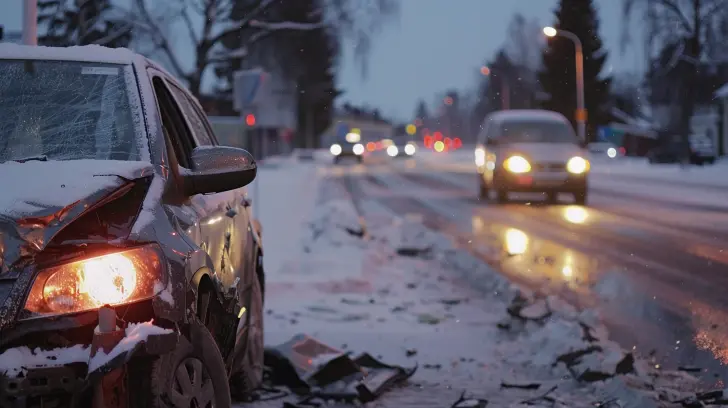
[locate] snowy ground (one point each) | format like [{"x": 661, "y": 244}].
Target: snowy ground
[{"x": 381, "y": 293}]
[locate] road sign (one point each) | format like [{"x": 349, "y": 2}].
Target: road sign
[{"x": 250, "y": 87}]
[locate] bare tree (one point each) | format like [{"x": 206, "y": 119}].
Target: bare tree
[
  {"x": 525, "y": 42},
  {"x": 208, "y": 22},
  {"x": 695, "y": 30},
  {"x": 213, "y": 25}
]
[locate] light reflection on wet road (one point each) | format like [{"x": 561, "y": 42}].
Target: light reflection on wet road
[{"x": 658, "y": 280}]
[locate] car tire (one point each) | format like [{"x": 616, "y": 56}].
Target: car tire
[
  {"x": 359, "y": 159},
  {"x": 483, "y": 192},
  {"x": 171, "y": 379},
  {"x": 501, "y": 196},
  {"x": 249, "y": 375},
  {"x": 552, "y": 197},
  {"x": 337, "y": 159},
  {"x": 581, "y": 197}
]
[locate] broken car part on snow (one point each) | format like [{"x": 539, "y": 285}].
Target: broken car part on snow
[{"x": 315, "y": 371}]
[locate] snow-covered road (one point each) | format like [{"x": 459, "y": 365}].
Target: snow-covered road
[{"x": 358, "y": 293}]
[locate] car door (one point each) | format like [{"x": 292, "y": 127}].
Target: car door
[{"x": 224, "y": 230}]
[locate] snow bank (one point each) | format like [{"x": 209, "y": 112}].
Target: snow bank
[
  {"x": 16, "y": 361},
  {"x": 334, "y": 223}
]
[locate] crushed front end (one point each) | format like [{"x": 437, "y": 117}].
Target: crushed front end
[{"x": 81, "y": 301}]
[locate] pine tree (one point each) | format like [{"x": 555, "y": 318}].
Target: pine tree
[
  {"x": 421, "y": 111},
  {"x": 66, "y": 23},
  {"x": 558, "y": 76}
]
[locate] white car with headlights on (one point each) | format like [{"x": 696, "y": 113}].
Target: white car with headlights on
[
  {"x": 403, "y": 146},
  {"x": 530, "y": 151},
  {"x": 348, "y": 146}
]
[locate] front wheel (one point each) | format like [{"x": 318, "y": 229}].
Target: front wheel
[
  {"x": 337, "y": 159},
  {"x": 501, "y": 196},
  {"x": 580, "y": 197},
  {"x": 482, "y": 188},
  {"x": 359, "y": 159},
  {"x": 193, "y": 375},
  {"x": 249, "y": 370}
]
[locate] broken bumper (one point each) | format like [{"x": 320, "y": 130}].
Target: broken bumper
[{"x": 72, "y": 383}]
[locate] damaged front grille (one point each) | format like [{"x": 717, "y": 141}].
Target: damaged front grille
[{"x": 43, "y": 387}]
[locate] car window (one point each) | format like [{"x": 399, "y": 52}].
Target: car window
[
  {"x": 173, "y": 123},
  {"x": 67, "y": 110},
  {"x": 535, "y": 131},
  {"x": 198, "y": 124}
]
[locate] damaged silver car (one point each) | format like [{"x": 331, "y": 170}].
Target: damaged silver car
[{"x": 131, "y": 270}]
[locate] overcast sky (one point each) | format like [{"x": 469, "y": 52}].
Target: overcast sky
[{"x": 435, "y": 45}]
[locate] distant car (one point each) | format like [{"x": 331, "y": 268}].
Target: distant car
[
  {"x": 403, "y": 146},
  {"x": 347, "y": 146},
  {"x": 702, "y": 151},
  {"x": 130, "y": 262},
  {"x": 604, "y": 150},
  {"x": 530, "y": 151}
]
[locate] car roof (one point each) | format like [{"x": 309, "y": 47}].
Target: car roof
[
  {"x": 85, "y": 53},
  {"x": 526, "y": 115}
]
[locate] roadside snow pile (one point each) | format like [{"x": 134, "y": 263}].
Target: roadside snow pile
[
  {"x": 334, "y": 223},
  {"x": 547, "y": 333}
]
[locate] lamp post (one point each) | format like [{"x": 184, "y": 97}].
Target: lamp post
[
  {"x": 505, "y": 88},
  {"x": 580, "y": 110},
  {"x": 30, "y": 22}
]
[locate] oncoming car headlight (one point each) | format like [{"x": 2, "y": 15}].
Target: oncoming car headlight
[
  {"x": 410, "y": 149},
  {"x": 358, "y": 149},
  {"x": 392, "y": 151},
  {"x": 517, "y": 164},
  {"x": 110, "y": 279},
  {"x": 479, "y": 157},
  {"x": 335, "y": 149},
  {"x": 577, "y": 165}
]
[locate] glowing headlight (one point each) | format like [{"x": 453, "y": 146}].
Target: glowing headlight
[
  {"x": 479, "y": 157},
  {"x": 392, "y": 151},
  {"x": 517, "y": 164},
  {"x": 577, "y": 165},
  {"x": 353, "y": 137},
  {"x": 110, "y": 279},
  {"x": 612, "y": 152},
  {"x": 358, "y": 149},
  {"x": 335, "y": 149},
  {"x": 409, "y": 149}
]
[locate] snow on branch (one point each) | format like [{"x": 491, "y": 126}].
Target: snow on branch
[{"x": 285, "y": 25}]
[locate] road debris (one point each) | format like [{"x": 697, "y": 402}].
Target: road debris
[{"x": 315, "y": 371}]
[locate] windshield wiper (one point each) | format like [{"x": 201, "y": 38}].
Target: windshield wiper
[{"x": 40, "y": 157}]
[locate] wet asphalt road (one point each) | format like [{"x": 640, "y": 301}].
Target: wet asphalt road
[{"x": 656, "y": 269}]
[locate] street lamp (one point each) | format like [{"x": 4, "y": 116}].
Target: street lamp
[{"x": 580, "y": 110}]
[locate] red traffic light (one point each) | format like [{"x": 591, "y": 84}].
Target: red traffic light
[{"x": 250, "y": 119}]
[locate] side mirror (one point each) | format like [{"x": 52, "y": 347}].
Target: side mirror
[{"x": 219, "y": 168}]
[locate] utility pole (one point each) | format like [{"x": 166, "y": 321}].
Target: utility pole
[{"x": 30, "y": 22}]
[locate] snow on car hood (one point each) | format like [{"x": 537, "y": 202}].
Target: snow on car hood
[
  {"x": 546, "y": 152},
  {"x": 39, "y": 198}
]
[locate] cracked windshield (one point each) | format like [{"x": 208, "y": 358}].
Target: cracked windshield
[{"x": 347, "y": 203}]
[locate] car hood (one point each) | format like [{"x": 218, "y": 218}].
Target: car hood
[
  {"x": 40, "y": 198},
  {"x": 545, "y": 152}
]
